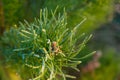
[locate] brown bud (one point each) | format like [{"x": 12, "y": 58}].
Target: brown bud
[{"x": 54, "y": 46}]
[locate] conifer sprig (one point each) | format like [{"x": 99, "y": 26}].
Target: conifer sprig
[{"x": 45, "y": 46}]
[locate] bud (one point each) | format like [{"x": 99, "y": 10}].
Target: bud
[{"x": 43, "y": 30}]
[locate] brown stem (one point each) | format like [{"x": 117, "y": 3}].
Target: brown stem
[{"x": 1, "y": 18}]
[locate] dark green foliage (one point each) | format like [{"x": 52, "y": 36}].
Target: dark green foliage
[
  {"x": 94, "y": 10},
  {"x": 13, "y": 11},
  {"x": 109, "y": 69}
]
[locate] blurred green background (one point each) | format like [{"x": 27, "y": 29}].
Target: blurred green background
[{"x": 103, "y": 21}]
